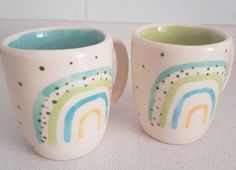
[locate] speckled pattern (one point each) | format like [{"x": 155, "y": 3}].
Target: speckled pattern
[{"x": 125, "y": 146}]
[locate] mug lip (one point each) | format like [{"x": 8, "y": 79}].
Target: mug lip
[
  {"x": 227, "y": 36},
  {"x": 4, "y": 46}
]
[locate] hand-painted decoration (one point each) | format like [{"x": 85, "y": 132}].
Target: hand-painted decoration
[
  {"x": 63, "y": 99},
  {"x": 166, "y": 106}
]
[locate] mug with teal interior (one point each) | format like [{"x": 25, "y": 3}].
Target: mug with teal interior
[
  {"x": 179, "y": 73},
  {"x": 60, "y": 84}
]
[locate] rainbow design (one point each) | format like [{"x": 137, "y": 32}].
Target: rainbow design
[
  {"x": 63, "y": 100},
  {"x": 164, "y": 91}
]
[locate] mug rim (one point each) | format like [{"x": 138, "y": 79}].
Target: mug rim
[
  {"x": 227, "y": 36},
  {"x": 4, "y": 46}
]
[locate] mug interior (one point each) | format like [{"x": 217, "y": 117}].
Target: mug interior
[
  {"x": 55, "y": 39},
  {"x": 181, "y": 35}
]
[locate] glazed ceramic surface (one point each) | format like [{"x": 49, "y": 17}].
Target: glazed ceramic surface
[
  {"x": 179, "y": 72},
  {"x": 60, "y": 83}
]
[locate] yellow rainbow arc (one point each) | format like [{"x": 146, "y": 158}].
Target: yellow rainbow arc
[
  {"x": 85, "y": 116},
  {"x": 193, "y": 110}
]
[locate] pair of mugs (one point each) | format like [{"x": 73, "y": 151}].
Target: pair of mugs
[{"x": 60, "y": 83}]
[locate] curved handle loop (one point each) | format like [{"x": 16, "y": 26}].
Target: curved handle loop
[{"x": 122, "y": 67}]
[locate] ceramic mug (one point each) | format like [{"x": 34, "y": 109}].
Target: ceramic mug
[
  {"x": 60, "y": 84},
  {"x": 179, "y": 72}
]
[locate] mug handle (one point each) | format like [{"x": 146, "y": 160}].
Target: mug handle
[
  {"x": 122, "y": 66},
  {"x": 230, "y": 65}
]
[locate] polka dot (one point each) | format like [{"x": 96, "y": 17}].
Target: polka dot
[
  {"x": 57, "y": 94},
  {"x": 164, "y": 92},
  {"x": 42, "y": 106},
  {"x": 152, "y": 124},
  {"x": 41, "y": 68},
  {"x": 186, "y": 73},
  {"x": 85, "y": 85},
  {"x": 157, "y": 87},
  {"x": 44, "y": 137},
  {"x": 18, "y": 107},
  {"x": 161, "y": 114},
  {"x": 105, "y": 72},
  {"x": 143, "y": 66},
  {"x": 33, "y": 147},
  {"x": 226, "y": 50},
  {"x": 177, "y": 76},
  {"x": 56, "y": 88},
  {"x": 106, "y": 78},
  {"x": 192, "y": 67},
  {"x": 48, "y": 113},
  {"x": 97, "y": 73},
  {"x": 96, "y": 57},
  {"x": 208, "y": 68},
  {"x": 93, "y": 79},
  {"x": 42, "y": 141},
  {"x": 54, "y": 102},
  {"x": 217, "y": 65},
  {"x": 71, "y": 62},
  {"x": 157, "y": 107},
  {"x": 84, "y": 78},
  {"x": 168, "y": 75},
  {"x": 172, "y": 82},
  {"x": 42, "y": 127},
  {"x": 222, "y": 73},
  {"x": 162, "y": 54},
  {"x": 182, "y": 71},
  {"x": 207, "y": 74},
  {"x": 136, "y": 87},
  {"x": 40, "y": 113},
  {"x": 39, "y": 120},
  {"x": 151, "y": 110},
  {"x": 40, "y": 132},
  {"x": 67, "y": 91},
  {"x": 20, "y": 83},
  {"x": 158, "y": 124},
  {"x": 154, "y": 100},
  {"x": 154, "y": 118},
  {"x": 20, "y": 123},
  {"x": 217, "y": 73},
  {"x": 138, "y": 114},
  {"x": 163, "y": 81},
  {"x": 45, "y": 123}
]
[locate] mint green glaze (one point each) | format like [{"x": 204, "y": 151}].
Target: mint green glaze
[
  {"x": 57, "y": 39},
  {"x": 181, "y": 35}
]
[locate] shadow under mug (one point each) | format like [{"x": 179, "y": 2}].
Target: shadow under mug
[
  {"x": 60, "y": 84},
  {"x": 179, "y": 72}
]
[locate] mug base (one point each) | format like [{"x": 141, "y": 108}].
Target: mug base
[
  {"x": 172, "y": 137},
  {"x": 68, "y": 151}
]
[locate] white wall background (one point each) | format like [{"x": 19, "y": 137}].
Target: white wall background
[{"x": 194, "y": 11}]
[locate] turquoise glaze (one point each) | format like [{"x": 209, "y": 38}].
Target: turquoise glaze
[{"x": 56, "y": 39}]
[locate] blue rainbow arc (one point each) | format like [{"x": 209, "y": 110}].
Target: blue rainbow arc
[
  {"x": 180, "y": 104},
  {"x": 70, "y": 114}
]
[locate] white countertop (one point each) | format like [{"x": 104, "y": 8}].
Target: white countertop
[{"x": 125, "y": 145}]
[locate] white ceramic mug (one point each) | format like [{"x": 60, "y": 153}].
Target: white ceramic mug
[
  {"x": 179, "y": 72},
  {"x": 60, "y": 84}
]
